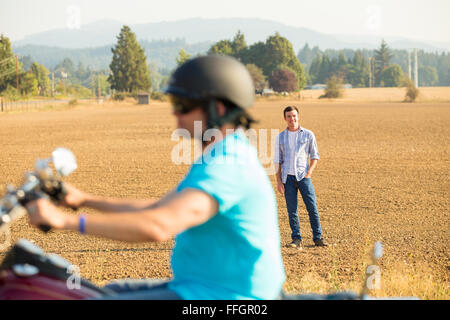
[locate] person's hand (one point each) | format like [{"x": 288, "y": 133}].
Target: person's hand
[
  {"x": 43, "y": 212},
  {"x": 74, "y": 198},
  {"x": 280, "y": 187},
  {"x": 308, "y": 175}
]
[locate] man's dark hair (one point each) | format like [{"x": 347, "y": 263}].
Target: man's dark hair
[{"x": 289, "y": 108}]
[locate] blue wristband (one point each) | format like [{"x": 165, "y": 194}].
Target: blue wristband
[{"x": 82, "y": 224}]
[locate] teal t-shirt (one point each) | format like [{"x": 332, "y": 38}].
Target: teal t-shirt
[{"x": 236, "y": 254}]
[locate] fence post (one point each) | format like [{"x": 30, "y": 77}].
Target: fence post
[{"x": 1, "y": 99}]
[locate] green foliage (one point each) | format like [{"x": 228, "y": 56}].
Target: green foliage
[
  {"x": 183, "y": 56},
  {"x": 28, "y": 84},
  {"x": 129, "y": 68},
  {"x": 238, "y": 45},
  {"x": 100, "y": 81},
  {"x": 428, "y": 76},
  {"x": 411, "y": 91},
  {"x": 11, "y": 93},
  {"x": 7, "y": 64},
  {"x": 157, "y": 95},
  {"x": 41, "y": 74},
  {"x": 334, "y": 88},
  {"x": 306, "y": 55},
  {"x": 223, "y": 47},
  {"x": 27, "y": 61},
  {"x": 119, "y": 96},
  {"x": 391, "y": 76},
  {"x": 383, "y": 57},
  {"x": 283, "y": 80},
  {"x": 79, "y": 91},
  {"x": 259, "y": 79},
  {"x": 278, "y": 53}
]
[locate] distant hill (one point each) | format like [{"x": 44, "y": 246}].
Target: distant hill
[
  {"x": 163, "y": 53},
  {"x": 196, "y": 30},
  {"x": 92, "y": 43}
]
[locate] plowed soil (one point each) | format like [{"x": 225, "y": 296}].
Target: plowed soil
[{"x": 383, "y": 176}]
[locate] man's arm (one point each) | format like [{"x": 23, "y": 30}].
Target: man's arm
[
  {"x": 312, "y": 166},
  {"x": 164, "y": 220},
  {"x": 280, "y": 185},
  {"x": 278, "y": 160},
  {"x": 314, "y": 155}
]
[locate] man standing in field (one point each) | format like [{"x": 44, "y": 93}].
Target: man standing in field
[
  {"x": 223, "y": 213},
  {"x": 295, "y": 145}
]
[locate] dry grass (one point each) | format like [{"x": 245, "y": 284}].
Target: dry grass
[
  {"x": 383, "y": 176},
  {"x": 358, "y": 95}
]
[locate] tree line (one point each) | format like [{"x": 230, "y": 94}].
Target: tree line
[{"x": 354, "y": 65}]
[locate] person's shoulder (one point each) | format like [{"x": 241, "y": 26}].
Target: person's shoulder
[
  {"x": 282, "y": 133},
  {"x": 308, "y": 132}
]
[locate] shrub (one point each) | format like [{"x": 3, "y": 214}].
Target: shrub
[
  {"x": 333, "y": 89},
  {"x": 119, "y": 96},
  {"x": 283, "y": 80},
  {"x": 11, "y": 93},
  {"x": 158, "y": 95},
  {"x": 73, "y": 102},
  {"x": 412, "y": 92}
]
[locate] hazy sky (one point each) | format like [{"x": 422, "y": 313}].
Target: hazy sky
[{"x": 413, "y": 19}]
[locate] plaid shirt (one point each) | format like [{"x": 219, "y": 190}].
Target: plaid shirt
[{"x": 305, "y": 147}]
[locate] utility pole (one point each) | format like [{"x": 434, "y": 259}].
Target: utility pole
[
  {"x": 53, "y": 84},
  {"x": 409, "y": 65},
  {"x": 416, "y": 69},
  {"x": 98, "y": 86},
  {"x": 17, "y": 72}
]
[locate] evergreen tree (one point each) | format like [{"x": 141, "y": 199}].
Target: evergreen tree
[
  {"x": 444, "y": 69},
  {"x": 324, "y": 72},
  {"x": 428, "y": 76},
  {"x": 238, "y": 45},
  {"x": 183, "y": 56},
  {"x": 223, "y": 47},
  {"x": 129, "y": 71},
  {"x": 314, "y": 70},
  {"x": 358, "y": 72},
  {"x": 383, "y": 57}
]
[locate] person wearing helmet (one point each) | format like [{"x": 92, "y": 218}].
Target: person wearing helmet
[{"x": 223, "y": 213}]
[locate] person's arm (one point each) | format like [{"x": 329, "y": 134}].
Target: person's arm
[
  {"x": 76, "y": 198},
  {"x": 278, "y": 160},
  {"x": 164, "y": 220},
  {"x": 280, "y": 185},
  {"x": 314, "y": 156},
  {"x": 312, "y": 166}
]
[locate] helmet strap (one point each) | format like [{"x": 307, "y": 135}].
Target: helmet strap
[{"x": 214, "y": 120}]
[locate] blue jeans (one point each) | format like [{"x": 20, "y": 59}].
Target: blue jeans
[
  {"x": 309, "y": 198},
  {"x": 140, "y": 289}
]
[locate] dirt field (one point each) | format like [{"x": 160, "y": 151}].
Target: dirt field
[{"x": 383, "y": 176}]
